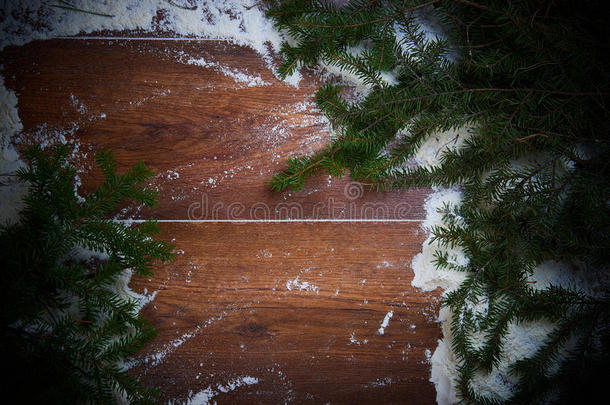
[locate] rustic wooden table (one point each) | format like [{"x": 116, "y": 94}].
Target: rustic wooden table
[{"x": 296, "y": 305}]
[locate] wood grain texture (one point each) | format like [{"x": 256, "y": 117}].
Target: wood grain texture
[
  {"x": 215, "y": 142},
  {"x": 235, "y": 303},
  {"x": 297, "y": 306}
]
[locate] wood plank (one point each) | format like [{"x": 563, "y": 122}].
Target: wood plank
[
  {"x": 231, "y": 305},
  {"x": 215, "y": 142},
  {"x": 297, "y": 306}
]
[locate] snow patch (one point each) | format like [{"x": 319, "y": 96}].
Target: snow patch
[
  {"x": 12, "y": 191},
  {"x": 204, "y": 397},
  {"x": 522, "y": 340},
  {"x": 301, "y": 285},
  {"x": 353, "y": 340},
  {"x": 28, "y": 20},
  {"x": 385, "y": 322},
  {"x": 237, "y": 75},
  {"x": 158, "y": 357},
  {"x": 380, "y": 382}
]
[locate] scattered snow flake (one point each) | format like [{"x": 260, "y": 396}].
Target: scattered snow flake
[
  {"x": 380, "y": 382},
  {"x": 385, "y": 322},
  {"x": 301, "y": 285},
  {"x": 353, "y": 340}
]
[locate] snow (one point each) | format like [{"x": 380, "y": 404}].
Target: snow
[
  {"x": 239, "y": 382},
  {"x": 426, "y": 276},
  {"x": 204, "y": 397},
  {"x": 385, "y": 322},
  {"x": 522, "y": 340},
  {"x": 444, "y": 364},
  {"x": 294, "y": 79},
  {"x": 380, "y": 382},
  {"x": 12, "y": 191},
  {"x": 27, "y": 20},
  {"x": 301, "y": 285},
  {"x": 552, "y": 273},
  {"x": 353, "y": 340},
  {"x": 121, "y": 287},
  {"x": 430, "y": 152},
  {"x": 158, "y": 357},
  {"x": 384, "y": 264},
  {"x": 172, "y": 175},
  {"x": 237, "y": 75}
]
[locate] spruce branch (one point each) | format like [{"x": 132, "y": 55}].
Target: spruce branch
[
  {"x": 63, "y": 329},
  {"x": 529, "y": 82}
]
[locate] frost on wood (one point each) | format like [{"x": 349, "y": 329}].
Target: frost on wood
[
  {"x": 301, "y": 286},
  {"x": 385, "y": 323},
  {"x": 204, "y": 397},
  {"x": 237, "y": 75}
]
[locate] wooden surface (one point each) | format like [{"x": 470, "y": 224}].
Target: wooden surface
[
  {"x": 223, "y": 139},
  {"x": 235, "y": 302},
  {"x": 297, "y": 306}
]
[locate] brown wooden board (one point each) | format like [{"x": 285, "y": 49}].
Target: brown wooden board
[
  {"x": 297, "y": 306},
  {"x": 214, "y": 142},
  {"x": 224, "y": 309}
]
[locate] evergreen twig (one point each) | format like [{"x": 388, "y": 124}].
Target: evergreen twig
[{"x": 529, "y": 80}]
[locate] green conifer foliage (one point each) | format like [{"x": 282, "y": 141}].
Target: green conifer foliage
[
  {"x": 64, "y": 330},
  {"x": 530, "y": 80}
]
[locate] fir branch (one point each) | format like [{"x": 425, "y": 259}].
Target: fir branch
[
  {"x": 529, "y": 80},
  {"x": 70, "y": 355}
]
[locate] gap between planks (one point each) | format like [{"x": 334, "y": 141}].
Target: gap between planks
[
  {"x": 102, "y": 38},
  {"x": 265, "y": 221}
]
